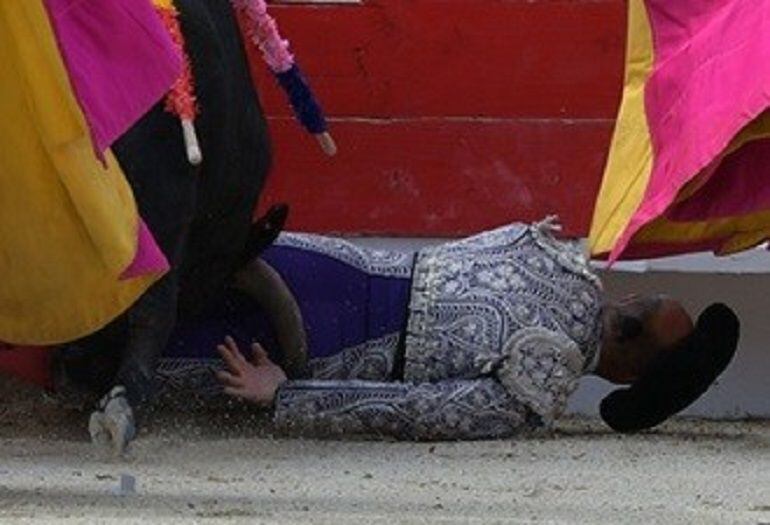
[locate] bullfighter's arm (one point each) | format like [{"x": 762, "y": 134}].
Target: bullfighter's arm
[{"x": 455, "y": 409}]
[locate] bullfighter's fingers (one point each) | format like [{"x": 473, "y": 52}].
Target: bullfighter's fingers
[
  {"x": 230, "y": 360},
  {"x": 233, "y": 346},
  {"x": 229, "y": 379},
  {"x": 259, "y": 355}
]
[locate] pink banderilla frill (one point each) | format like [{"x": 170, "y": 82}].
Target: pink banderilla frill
[{"x": 262, "y": 31}]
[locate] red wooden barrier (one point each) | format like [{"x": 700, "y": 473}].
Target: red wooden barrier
[{"x": 451, "y": 115}]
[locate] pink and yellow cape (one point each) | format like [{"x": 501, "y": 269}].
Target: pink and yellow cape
[
  {"x": 689, "y": 164},
  {"x": 74, "y": 75}
]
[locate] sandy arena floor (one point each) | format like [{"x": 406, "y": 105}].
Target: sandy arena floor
[{"x": 226, "y": 467}]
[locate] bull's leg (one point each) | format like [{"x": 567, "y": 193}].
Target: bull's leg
[
  {"x": 148, "y": 326},
  {"x": 119, "y": 364},
  {"x": 150, "y": 322}
]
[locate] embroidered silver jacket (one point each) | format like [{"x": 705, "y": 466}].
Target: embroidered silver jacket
[{"x": 501, "y": 327}]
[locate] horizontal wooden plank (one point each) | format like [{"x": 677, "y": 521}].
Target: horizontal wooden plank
[
  {"x": 439, "y": 177},
  {"x": 493, "y": 58}
]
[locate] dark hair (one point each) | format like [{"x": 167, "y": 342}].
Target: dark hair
[{"x": 629, "y": 328}]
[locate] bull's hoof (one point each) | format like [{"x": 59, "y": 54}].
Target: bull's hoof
[{"x": 112, "y": 424}]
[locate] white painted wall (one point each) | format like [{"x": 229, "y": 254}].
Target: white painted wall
[{"x": 741, "y": 281}]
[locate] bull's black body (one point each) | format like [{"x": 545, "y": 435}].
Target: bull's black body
[{"x": 201, "y": 218}]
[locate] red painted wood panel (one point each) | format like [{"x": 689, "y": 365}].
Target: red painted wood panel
[
  {"x": 501, "y": 58},
  {"x": 440, "y": 177},
  {"x": 451, "y": 115}
]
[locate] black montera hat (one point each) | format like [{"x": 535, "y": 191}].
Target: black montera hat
[{"x": 676, "y": 379}]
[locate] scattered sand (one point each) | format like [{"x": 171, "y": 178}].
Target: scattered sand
[{"x": 203, "y": 467}]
